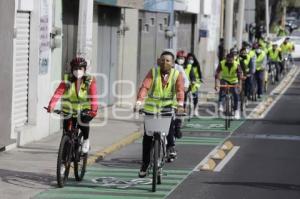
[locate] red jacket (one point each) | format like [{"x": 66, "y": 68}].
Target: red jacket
[{"x": 61, "y": 89}]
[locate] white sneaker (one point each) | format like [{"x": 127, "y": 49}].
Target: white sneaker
[
  {"x": 237, "y": 115},
  {"x": 221, "y": 108},
  {"x": 86, "y": 146}
]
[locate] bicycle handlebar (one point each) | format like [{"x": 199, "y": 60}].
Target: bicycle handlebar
[
  {"x": 168, "y": 112},
  {"x": 57, "y": 111},
  {"x": 228, "y": 86}
]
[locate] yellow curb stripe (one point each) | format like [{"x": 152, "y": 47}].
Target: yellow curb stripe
[{"x": 114, "y": 147}]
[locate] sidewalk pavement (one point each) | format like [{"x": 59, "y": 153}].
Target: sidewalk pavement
[{"x": 30, "y": 169}]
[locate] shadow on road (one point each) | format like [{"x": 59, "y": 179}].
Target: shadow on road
[
  {"x": 27, "y": 179},
  {"x": 261, "y": 185}
]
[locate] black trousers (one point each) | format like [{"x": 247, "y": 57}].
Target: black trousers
[{"x": 84, "y": 127}]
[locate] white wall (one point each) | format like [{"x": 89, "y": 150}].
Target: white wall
[
  {"x": 7, "y": 13},
  {"x": 191, "y": 6},
  {"x": 126, "y": 89},
  {"x": 40, "y": 82}
]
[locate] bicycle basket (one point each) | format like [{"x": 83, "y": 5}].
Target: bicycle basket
[{"x": 157, "y": 124}]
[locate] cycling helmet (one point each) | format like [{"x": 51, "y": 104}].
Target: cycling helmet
[
  {"x": 78, "y": 62},
  {"x": 181, "y": 53}
]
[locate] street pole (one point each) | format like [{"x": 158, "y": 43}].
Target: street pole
[
  {"x": 85, "y": 29},
  {"x": 172, "y": 21},
  {"x": 228, "y": 24},
  {"x": 267, "y": 18},
  {"x": 240, "y": 26}
]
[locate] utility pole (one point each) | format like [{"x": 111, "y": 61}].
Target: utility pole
[
  {"x": 267, "y": 19},
  {"x": 85, "y": 29},
  {"x": 284, "y": 5},
  {"x": 240, "y": 26},
  {"x": 172, "y": 29},
  {"x": 228, "y": 24}
]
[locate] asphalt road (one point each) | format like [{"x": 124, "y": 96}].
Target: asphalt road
[{"x": 267, "y": 163}]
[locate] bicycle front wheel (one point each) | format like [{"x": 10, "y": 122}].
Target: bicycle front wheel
[
  {"x": 63, "y": 161},
  {"x": 80, "y": 159},
  {"x": 155, "y": 164}
]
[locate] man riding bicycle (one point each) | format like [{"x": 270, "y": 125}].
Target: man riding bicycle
[
  {"x": 287, "y": 47},
  {"x": 78, "y": 92},
  {"x": 229, "y": 72},
  {"x": 261, "y": 62},
  {"x": 248, "y": 69},
  {"x": 275, "y": 57},
  {"x": 164, "y": 88}
]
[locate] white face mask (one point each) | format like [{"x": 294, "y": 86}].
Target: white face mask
[
  {"x": 191, "y": 61},
  {"x": 180, "y": 61},
  {"x": 78, "y": 73},
  {"x": 258, "y": 51}
]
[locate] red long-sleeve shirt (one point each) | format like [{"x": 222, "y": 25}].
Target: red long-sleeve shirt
[
  {"x": 61, "y": 89},
  {"x": 143, "y": 92}
]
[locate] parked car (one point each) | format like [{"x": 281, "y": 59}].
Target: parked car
[{"x": 291, "y": 24}]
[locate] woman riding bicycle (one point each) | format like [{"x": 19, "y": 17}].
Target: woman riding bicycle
[
  {"x": 229, "y": 72},
  {"x": 79, "y": 98},
  {"x": 164, "y": 87}
]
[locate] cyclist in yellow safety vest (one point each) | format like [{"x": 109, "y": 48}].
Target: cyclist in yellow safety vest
[
  {"x": 79, "y": 98},
  {"x": 275, "y": 57},
  {"x": 287, "y": 47},
  {"x": 163, "y": 87},
  {"x": 248, "y": 71},
  {"x": 261, "y": 62},
  {"x": 195, "y": 67},
  {"x": 229, "y": 72}
]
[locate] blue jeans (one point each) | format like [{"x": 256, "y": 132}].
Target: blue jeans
[{"x": 234, "y": 92}]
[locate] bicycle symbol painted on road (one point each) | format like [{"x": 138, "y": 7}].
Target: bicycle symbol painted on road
[
  {"x": 205, "y": 126},
  {"x": 112, "y": 182}
]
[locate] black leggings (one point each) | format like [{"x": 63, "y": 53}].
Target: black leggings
[{"x": 85, "y": 127}]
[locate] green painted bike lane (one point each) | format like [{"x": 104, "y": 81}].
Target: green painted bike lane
[
  {"x": 115, "y": 183},
  {"x": 210, "y": 125},
  {"x": 91, "y": 187}
]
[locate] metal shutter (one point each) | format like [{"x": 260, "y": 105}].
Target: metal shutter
[{"x": 21, "y": 70}]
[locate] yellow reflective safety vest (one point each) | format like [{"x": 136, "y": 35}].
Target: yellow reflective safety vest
[
  {"x": 159, "y": 96},
  {"x": 260, "y": 60},
  {"x": 73, "y": 103},
  {"x": 285, "y": 48},
  {"x": 229, "y": 76},
  {"x": 251, "y": 53},
  {"x": 245, "y": 63},
  {"x": 197, "y": 84},
  {"x": 274, "y": 55}
]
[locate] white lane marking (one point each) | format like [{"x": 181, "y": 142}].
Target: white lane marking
[{"x": 228, "y": 157}]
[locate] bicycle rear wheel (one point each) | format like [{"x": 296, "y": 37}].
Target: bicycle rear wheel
[
  {"x": 63, "y": 161},
  {"x": 227, "y": 112},
  {"x": 80, "y": 159},
  {"x": 155, "y": 164}
]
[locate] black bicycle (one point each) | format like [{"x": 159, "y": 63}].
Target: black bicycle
[
  {"x": 70, "y": 151},
  {"x": 228, "y": 104}
]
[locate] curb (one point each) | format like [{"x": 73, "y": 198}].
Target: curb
[{"x": 114, "y": 147}]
